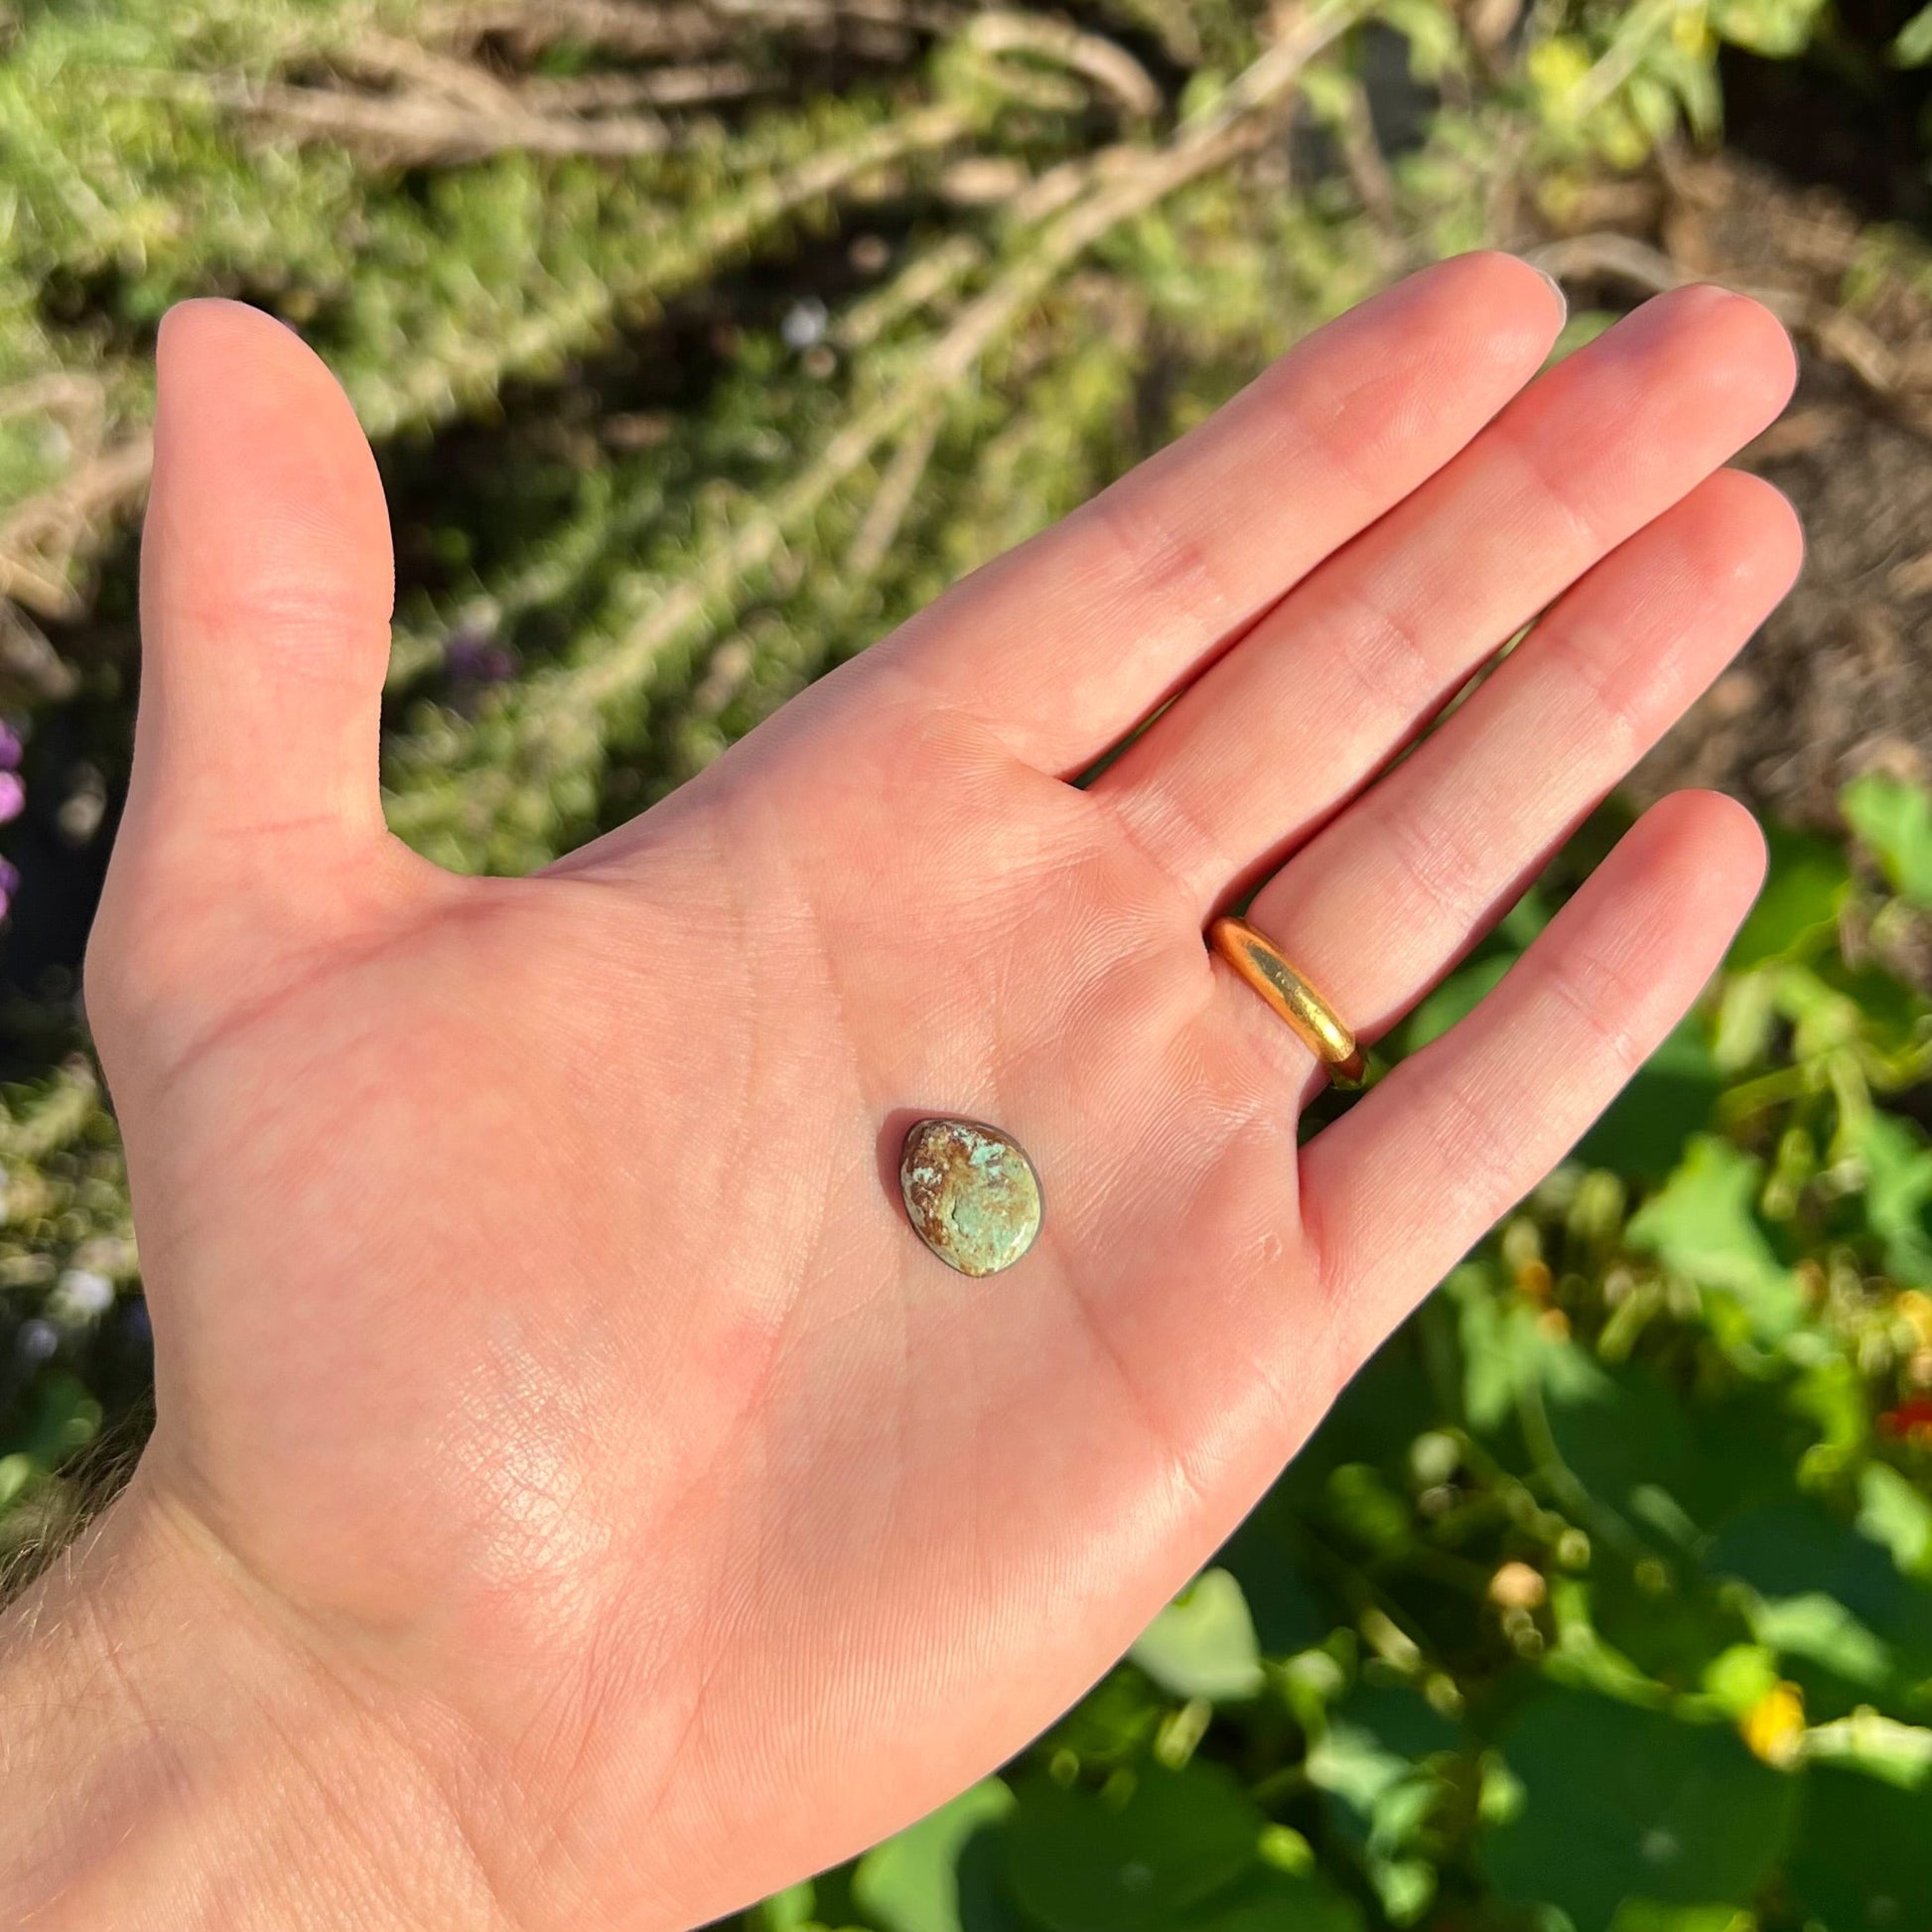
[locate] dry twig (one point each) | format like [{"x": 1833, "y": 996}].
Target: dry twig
[
  {"x": 1124, "y": 181},
  {"x": 1361, "y": 155},
  {"x": 684, "y": 31},
  {"x": 1105, "y": 64},
  {"x": 40, "y": 536},
  {"x": 467, "y": 84},
  {"x": 894, "y": 497},
  {"x": 386, "y": 56},
  {"x": 415, "y": 128},
  {"x": 1620, "y": 258},
  {"x": 529, "y": 25},
  {"x": 681, "y": 87}
]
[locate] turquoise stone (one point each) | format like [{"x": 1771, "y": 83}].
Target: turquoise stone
[{"x": 971, "y": 1194}]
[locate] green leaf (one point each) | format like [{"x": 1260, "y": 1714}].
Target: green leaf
[
  {"x": 1202, "y": 1645},
  {"x": 1085, "y": 1861},
  {"x": 1861, "y": 1863},
  {"x": 1669, "y": 1097},
  {"x": 1817, "y": 1627},
  {"x": 1892, "y": 1015},
  {"x": 910, "y": 1883},
  {"x": 1898, "y": 1192},
  {"x": 1378, "y": 1763},
  {"x": 1876, "y": 1745},
  {"x": 784, "y": 1911},
  {"x": 1115, "y": 1721},
  {"x": 1261, "y": 1556},
  {"x": 61, "y": 1417},
  {"x": 1586, "y": 1658},
  {"x": 1895, "y": 1512},
  {"x": 1795, "y": 1548},
  {"x": 1670, "y": 1624},
  {"x": 1352, "y": 1764},
  {"x": 1456, "y": 997},
  {"x": 1827, "y": 1595},
  {"x": 18, "y": 1473},
  {"x": 1405, "y": 1887},
  {"x": 1639, "y": 1441},
  {"x": 1913, "y": 47},
  {"x": 1363, "y": 1507},
  {"x": 1498, "y": 1343},
  {"x": 1621, "y": 1804},
  {"x": 1744, "y": 1676},
  {"x": 1704, "y": 1224},
  {"x": 1434, "y": 46},
  {"x": 1621, "y": 1430},
  {"x": 1775, "y": 29},
  {"x": 1401, "y": 1720},
  {"x": 1894, "y": 820},
  {"x": 1805, "y": 886},
  {"x": 1271, "y": 1901},
  {"x": 1647, "y": 1915}
]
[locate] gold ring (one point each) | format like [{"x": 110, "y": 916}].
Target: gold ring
[{"x": 1259, "y": 961}]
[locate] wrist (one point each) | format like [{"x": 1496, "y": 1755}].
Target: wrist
[{"x": 169, "y": 1757}]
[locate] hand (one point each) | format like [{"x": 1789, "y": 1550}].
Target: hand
[{"x": 548, "y": 1379}]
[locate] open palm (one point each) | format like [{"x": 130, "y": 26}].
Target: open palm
[{"x": 544, "y": 1356}]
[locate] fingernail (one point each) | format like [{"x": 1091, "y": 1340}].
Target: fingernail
[{"x": 1556, "y": 289}]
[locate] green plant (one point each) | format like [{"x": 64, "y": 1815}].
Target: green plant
[
  {"x": 698, "y": 355},
  {"x": 1604, "y": 1596},
  {"x": 461, "y": 204}
]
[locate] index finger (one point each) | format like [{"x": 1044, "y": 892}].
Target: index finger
[{"x": 1063, "y": 645}]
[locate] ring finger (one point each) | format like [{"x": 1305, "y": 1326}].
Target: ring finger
[{"x": 1383, "y": 900}]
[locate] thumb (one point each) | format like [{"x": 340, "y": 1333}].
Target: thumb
[{"x": 266, "y": 586}]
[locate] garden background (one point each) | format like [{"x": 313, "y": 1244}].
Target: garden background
[{"x": 703, "y": 340}]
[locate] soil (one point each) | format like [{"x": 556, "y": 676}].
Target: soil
[{"x": 1840, "y": 680}]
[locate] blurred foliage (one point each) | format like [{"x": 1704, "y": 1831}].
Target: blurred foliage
[
  {"x": 1603, "y": 1597},
  {"x": 701, "y": 341}
]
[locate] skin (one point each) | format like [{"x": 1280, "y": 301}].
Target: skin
[{"x": 577, "y": 1498}]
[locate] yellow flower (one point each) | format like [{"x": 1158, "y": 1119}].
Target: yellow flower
[
  {"x": 1916, "y": 1307},
  {"x": 1691, "y": 34},
  {"x": 1774, "y": 1727},
  {"x": 1557, "y": 67}
]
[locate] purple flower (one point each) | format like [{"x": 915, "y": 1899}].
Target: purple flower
[
  {"x": 9, "y": 886},
  {"x": 10, "y": 748},
  {"x": 474, "y": 656},
  {"x": 12, "y": 796}
]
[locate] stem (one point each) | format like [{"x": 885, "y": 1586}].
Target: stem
[{"x": 1122, "y": 182}]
